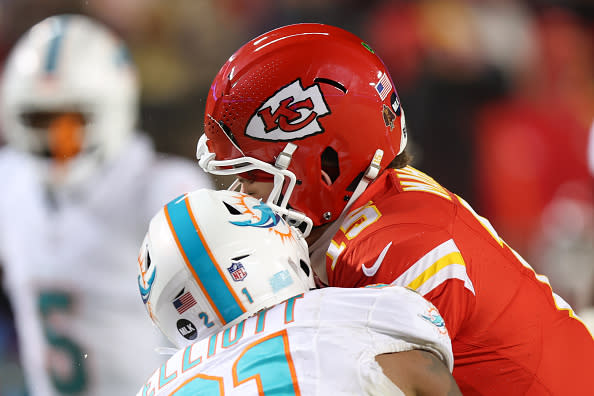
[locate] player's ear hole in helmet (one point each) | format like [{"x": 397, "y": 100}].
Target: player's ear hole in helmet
[{"x": 330, "y": 169}]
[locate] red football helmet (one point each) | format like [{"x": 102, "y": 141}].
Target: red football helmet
[{"x": 308, "y": 102}]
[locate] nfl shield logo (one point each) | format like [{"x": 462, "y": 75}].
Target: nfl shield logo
[{"x": 237, "y": 271}]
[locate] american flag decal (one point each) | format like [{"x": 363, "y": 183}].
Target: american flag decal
[
  {"x": 383, "y": 86},
  {"x": 184, "y": 302}
]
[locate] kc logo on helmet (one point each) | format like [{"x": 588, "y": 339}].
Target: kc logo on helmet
[{"x": 291, "y": 113}]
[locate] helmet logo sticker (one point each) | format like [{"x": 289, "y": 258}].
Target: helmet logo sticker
[
  {"x": 395, "y": 103},
  {"x": 145, "y": 291},
  {"x": 383, "y": 86},
  {"x": 146, "y": 279},
  {"x": 367, "y": 47},
  {"x": 397, "y": 107},
  {"x": 291, "y": 113},
  {"x": 187, "y": 329},
  {"x": 267, "y": 218},
  {"x": 237, "y": 271},
  {"x": 280, "y": 280},
  {"x": 389, "y": 117},
  {"x": 184, "y": 301}
]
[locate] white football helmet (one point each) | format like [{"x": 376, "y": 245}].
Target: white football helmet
[
  {"x": 212, "y": 258},
  {"x": 69, "y": 64}
]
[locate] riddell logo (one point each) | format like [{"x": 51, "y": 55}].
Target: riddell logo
[{"x": 291, "y": 113}]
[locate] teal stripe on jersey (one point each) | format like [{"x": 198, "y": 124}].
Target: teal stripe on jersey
[{"x": 198, "y": 257}]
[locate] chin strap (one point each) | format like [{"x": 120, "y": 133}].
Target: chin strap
[
  {"x": 319, "y": 248},
  {"x": 166, "y": 350},
  {"x": 282, "y": 162},
  {"x": 370, "y": 174},
  {"x": 293, "y": 217},
  {"x": 284, "y": 158}
]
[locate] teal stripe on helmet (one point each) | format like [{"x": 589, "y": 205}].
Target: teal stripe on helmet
[
  {"x": 55, "y": 43},
  {"x": 198, "y": 258},
  {"x": 123, "y": 57}
]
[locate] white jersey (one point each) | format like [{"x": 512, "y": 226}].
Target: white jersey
[
  {"x": 70, "y": 269},
  {"x": 319, "y": 343}
]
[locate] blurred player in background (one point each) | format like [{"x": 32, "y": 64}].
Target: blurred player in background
[
  {"x": 322, "y": 135},
  {"x": 211, "y": 259},
  {"x": 79, "y": 185},
  {"x": 565, "y": 243}
]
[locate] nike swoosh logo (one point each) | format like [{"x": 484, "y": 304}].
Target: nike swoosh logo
[{"x": 370, "y": 271}]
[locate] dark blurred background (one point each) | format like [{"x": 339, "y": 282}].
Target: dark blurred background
[{"x": 498, "y": 96}]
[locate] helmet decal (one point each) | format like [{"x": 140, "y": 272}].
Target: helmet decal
[
  {"x": 397, "y": 107},
  {"x": 187, "y": 329},
  {"x": 383, "y": 86},
  {"x": 367, "y": 47},
  {"x": 280, "y": 280},
  {"x": 237, "y": 271},
  {"x": 266, "y": 218},
  {"x": 395, "y": 102},
  {"x": 145, "y": 292},
  {"x": 146, "y": 279},
  {"x": 184, "y": 301},
  {"x": 291, "y": 113},
  {"x": 389, "y": 117}
]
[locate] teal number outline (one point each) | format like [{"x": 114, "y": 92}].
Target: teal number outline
[
  {"x": 59, "y": 300},
  {"x": 268, "y": 361}
]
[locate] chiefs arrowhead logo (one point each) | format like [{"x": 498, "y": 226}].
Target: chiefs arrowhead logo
[{"x": 291, "y": 113}]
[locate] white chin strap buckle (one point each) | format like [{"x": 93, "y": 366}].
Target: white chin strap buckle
[
  {"x": 374, "y": 166},
  {"x": 284, "y": 158}
]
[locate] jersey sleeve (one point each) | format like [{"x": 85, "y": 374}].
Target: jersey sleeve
[
  {"x": 421, "y": 258},
  {"x": 406, "y": 316}
]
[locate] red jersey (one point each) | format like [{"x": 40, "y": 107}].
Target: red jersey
[{"x": 510, "y": 333}]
